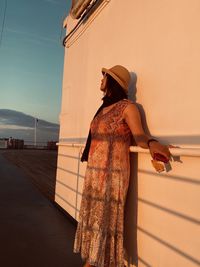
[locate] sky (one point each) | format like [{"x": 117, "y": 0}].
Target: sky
[{"x": 32, "y": 56}]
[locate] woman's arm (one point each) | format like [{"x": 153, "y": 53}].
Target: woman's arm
[{"x": 132, "y": 117}]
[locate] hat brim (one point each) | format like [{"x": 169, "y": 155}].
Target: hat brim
[{"x": 114, "y": 76}]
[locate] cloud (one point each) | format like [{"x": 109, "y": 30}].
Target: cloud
[
  {"x": 21, "y": 126},
  {"x": 36, "y": 37},
  {"x": 13, "y": 127},
  {"x": 13, "y": 117}
]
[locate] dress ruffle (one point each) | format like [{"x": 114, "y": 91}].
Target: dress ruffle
[{"x": 100, "y": 249}]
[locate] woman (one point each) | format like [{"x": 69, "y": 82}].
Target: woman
[{"x": 99, "y": 234}]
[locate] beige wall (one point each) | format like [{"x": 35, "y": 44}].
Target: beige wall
[{"x": 159, "y": 42}]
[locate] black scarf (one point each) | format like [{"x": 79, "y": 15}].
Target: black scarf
[{"x": 107, "y": 101}]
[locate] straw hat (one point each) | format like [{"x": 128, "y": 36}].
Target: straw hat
[{"x": 120, "y": 74}]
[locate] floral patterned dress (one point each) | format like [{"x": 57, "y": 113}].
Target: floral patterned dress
[{"x": 99, "y": 233}]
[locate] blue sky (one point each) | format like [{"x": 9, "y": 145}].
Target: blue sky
[{"x": 31, "y": 57}]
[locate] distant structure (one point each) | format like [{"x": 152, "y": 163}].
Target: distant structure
[
  {"x": 3, "y": 143},
  {"x": 51, "y": 145},
  {"x": 158, "y": 41},
  {"x": 10, "y": 143}
]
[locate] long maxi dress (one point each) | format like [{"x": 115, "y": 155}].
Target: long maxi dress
[{"x": 99, "y": 233}]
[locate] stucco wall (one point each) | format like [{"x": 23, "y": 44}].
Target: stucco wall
[{"x": 158, "y": 41}]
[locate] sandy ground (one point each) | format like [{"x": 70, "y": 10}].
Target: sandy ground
[{"x": 39, "y": 165}]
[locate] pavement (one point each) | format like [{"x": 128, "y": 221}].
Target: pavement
[{"x": 33, "y": 231}]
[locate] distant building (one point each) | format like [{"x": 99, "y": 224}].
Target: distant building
[{"x": 3, "y": 143}]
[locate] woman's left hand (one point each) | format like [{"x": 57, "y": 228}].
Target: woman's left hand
[{"x": 156, "y": 147}]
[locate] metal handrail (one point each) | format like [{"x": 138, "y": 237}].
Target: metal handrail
[
  {"x": 182, "y": 151},
  {"x": 70, "y": 144}
]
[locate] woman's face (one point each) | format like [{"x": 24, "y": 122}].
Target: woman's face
[{"x": 103, "y": 83}]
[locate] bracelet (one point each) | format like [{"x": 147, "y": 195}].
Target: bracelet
[{"x": 151, "y": 140}]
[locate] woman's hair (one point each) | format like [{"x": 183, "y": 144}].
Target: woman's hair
[{"x": 114, "y": 89}]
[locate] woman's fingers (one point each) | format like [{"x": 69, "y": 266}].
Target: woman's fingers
[
  {"x": 164, "y": 151},
  {"x": 167, "y": 152},
  {"x": 172, "y": 146}
]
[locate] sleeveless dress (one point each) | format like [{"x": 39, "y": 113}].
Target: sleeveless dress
[{"x": 99, "y": 233}]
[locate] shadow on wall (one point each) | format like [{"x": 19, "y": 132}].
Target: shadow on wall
[
  {"x": 132, "y": 91},
  {"x": 173, "y": 139},
  {"x": 184, "y": 220},
  {"x": 130, "y": 217},
  {"x": 131, "y": 207}
]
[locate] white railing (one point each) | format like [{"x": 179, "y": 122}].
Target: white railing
[{"x": 181, "y": 151}]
